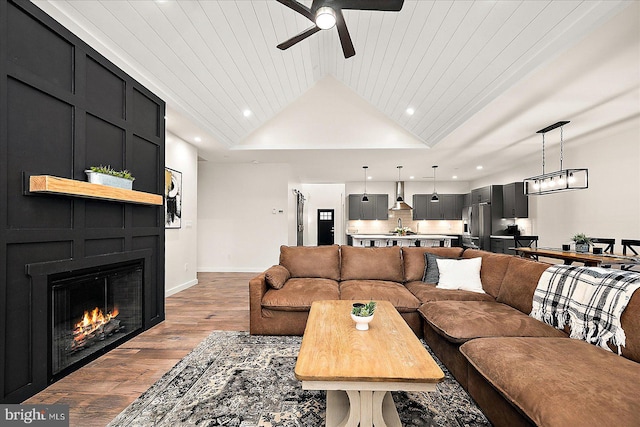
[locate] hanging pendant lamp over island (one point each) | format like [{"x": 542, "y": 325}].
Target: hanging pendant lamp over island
[
  {"x": 365, "y": 198},
  {"x": 434, "y": 195},
  {"x": 560, "y": 180}
]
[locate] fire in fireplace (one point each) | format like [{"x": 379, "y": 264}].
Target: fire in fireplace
[{"x": 93, "y": 309}]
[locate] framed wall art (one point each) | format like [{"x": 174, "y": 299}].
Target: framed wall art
[{"x": 172, "y": 198}]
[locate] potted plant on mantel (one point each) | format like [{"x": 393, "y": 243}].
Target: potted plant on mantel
[
  {"x": 362, "y": 314},
  {"x": 582, "y": 242},
  {"x": 106, "y": 175}
]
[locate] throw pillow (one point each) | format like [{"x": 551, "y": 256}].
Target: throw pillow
[
  {"x": 276, "y": 276},
  {"x": 431, "y": 272},
  {"x": 462, "y": 274}
]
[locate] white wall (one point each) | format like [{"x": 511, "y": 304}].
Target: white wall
[
  {"x": 237, "y": 229},
  {"x": 323, "y": 196},
  {"x": 610, "y": 207},
  {"x": 180, "y": 244}
]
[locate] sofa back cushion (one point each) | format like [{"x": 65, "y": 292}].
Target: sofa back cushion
[
  {"x": 371, "y": 263},
  {"x": 414, "y": 264},
  {"x": 520, "y": 282},
  {"x": 311, "y": 261},
  {"x": 494, "y": 267}
]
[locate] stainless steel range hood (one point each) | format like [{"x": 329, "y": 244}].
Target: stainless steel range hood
[{"x": 400, "y": 204}]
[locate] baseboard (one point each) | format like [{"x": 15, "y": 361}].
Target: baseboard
[
  {"x": 229, "y": 270},
  {"x": 182, "y": 287}
]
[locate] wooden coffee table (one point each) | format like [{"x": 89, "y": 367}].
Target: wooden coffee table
[{"x": 359, "y": 369}]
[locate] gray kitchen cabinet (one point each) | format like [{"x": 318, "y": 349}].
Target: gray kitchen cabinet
[
  {"x": 420, "y": 206},
  {"x": 515, "y": 202},
  {"x": 376, "y": 208},
  {"x": 481, "y": 195},
  {"x": 448, "y": 208}
]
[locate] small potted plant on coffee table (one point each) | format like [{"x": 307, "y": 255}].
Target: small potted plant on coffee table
[
  {"x": 582, "y": 242},
  {"x": 362, "y": 314}
]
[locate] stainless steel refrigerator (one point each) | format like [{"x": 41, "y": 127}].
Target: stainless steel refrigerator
[{"x": 480, "y": 221}]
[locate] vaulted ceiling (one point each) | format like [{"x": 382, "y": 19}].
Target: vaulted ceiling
[{"x": 217, "y": 66}]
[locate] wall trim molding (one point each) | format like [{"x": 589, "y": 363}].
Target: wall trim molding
[{"x": 178, "y": 288}]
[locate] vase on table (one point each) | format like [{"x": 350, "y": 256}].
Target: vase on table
[{"x": 362, "y": 323}]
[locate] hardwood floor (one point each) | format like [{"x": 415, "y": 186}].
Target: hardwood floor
[{"x": 99, "y": 391}]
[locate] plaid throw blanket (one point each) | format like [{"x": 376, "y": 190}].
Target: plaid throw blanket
[{"x": 588, "y": 299}]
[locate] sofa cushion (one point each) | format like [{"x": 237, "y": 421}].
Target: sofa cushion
[
  {"x": 559, "y": 381},
  {"x": 381, "y": 290},
  {"x": 276, "y": 276},
  {"x": 371, "y": 263},
  {"x": 494, "y": 266},
  {"x": 462, "y": 274},
  {"x": 460, "y": 321},
  {"x": 311, "y": 261},
  {"x": 298, "y": 294},
  {"x": 519, "y": 283},
  {"x": 426, "y": 292},
  {"x": 414, "y": 261}
]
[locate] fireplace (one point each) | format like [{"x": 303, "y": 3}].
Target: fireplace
[{"x": 93, "y": 310}]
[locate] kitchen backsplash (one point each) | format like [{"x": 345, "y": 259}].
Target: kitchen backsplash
[
  {"x": 424, "y": 227},
  {"x": 421, "y": 227}
]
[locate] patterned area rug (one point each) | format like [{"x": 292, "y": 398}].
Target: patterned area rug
[{"x": 234, "y": 379}]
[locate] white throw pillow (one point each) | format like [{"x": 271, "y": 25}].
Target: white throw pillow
[{"x": 462, "y": 274}]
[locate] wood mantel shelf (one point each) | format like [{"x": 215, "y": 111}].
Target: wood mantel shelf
[{"x": 48, "y": 184}]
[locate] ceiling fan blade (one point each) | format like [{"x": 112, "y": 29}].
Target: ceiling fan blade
[
  {"x": 383, "y": 5},
  {"x": 345, "y": 38},
  {"x": 298, "y": 38},
  {"x": 300, "y": 8},
  {"x": 315, "y": 5}
]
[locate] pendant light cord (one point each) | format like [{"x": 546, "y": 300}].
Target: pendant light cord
[{"x": 561, "y": 146}]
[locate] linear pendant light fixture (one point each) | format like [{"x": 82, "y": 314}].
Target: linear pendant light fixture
[
  {"x": 434, "y": 195},
  {"x": 561, "y": 180},
  {"x": 365, "y": 198}
]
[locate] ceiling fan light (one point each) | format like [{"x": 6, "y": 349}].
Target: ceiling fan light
[{"x": 325, "y": 18}]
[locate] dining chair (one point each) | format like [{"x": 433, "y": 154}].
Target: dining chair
[
  {"x": 610, "y": 244},
  {"x": 633, "y": 246}
]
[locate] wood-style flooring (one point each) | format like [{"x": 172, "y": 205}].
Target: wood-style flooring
[{"x": 99, "y": 391}]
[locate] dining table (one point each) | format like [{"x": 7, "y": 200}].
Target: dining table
[{"x": 587, "y": 258}]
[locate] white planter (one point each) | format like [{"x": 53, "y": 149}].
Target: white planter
[
  {"x": 362, "y": 323},
  {"x": 110, "y": 180}
]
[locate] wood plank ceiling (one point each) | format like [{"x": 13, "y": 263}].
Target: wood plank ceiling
[{"x": 443, "y": 59}]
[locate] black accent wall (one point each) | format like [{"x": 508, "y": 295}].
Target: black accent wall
[{"x": 63, "y": 107}]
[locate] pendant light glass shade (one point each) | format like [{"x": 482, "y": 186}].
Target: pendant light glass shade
[
  {"x": 365, "y": 198},
  {"x": 558, "y": 181},
  {"x": 434, "y": 196}
]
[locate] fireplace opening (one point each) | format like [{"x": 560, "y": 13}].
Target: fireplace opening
[{"x": 92, "y": 311}]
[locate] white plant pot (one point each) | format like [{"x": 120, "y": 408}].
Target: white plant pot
[
  {"x": 362, "y": 323},
  {"x": 110, "y": 180}
]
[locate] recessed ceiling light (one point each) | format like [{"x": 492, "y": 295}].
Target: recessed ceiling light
[
  {"x": 410, "y": 111},
  {"x": 454, "y": 177},
  {"x": 369, "y": 177},
  {"x": 411, "y": 177},
  {"x": 246, "y": 113},
  {"x": 197, "y": 139},
  {"x": 479, "y": 167}
]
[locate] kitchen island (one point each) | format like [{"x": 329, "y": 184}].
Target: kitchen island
[{"x": 391, "y": 239}]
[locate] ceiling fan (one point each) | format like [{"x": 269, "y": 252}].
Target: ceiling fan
[{"x": 327, "y": 13}]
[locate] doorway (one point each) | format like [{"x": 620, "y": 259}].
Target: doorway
[{"x": 325, "y": 227}]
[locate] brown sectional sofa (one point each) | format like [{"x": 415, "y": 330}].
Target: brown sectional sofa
[{"x": 520, "y": 371}]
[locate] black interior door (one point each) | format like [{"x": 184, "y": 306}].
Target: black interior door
[{"x": 325, "y": 227}]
